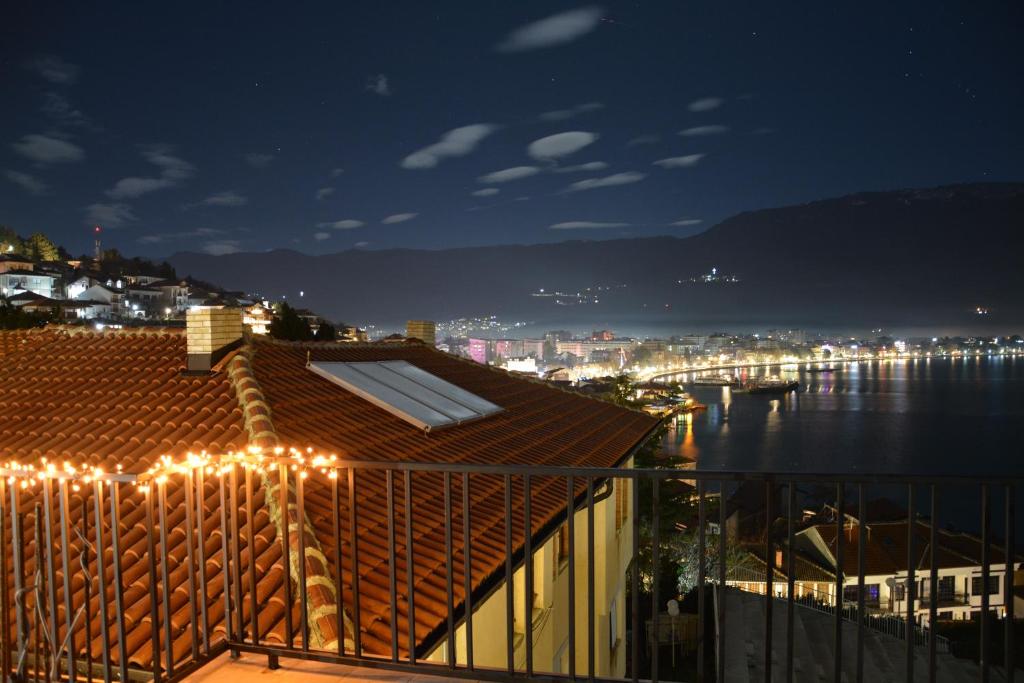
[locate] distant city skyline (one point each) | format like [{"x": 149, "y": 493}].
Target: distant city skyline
[{"x": 432, "y": 126}]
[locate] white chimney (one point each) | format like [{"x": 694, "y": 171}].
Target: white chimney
[{"x": 211, "y": 331}]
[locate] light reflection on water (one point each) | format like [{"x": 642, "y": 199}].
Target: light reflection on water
[{"x": 924, "y": 416}]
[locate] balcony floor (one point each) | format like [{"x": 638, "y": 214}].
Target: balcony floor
[{"x": 253, "y": 669}]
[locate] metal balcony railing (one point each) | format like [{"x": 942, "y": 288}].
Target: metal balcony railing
[{"x": 121, "y": 577}]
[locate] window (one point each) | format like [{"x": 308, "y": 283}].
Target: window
[
  {"x": 871, "y": 594},
  {"x": 561, "y": 548},
  {"x": 993, "y": 585},
  {"x": 621, "y": 502}
]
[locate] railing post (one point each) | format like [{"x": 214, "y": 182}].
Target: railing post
[
  {"x": 769, "y": 591},
  {"x": 911, "y": 592},
  {"x": 392, "y": 570},
  {"x": 570, "y": 520},
  {"x": 250, "y": 543},
  {"x": 161, "y": 489},
  {"x": 226, "y": 560},
  {"x": 723, "y": 540},
  {"x": 410, "y": 578},
  {"x": 933, "y": 582},
  {"x": 701, "y": 576},
  {"x": 154, "y": 598},
  {"x": 790, "y": 579},
  {"x": 101, "y": 573},
  {"x": 116, "y": 559},
  {"x": 591, "y": 623},
  {"x": 339, "y": 596},
  {"x": 353, "y": 521},
  {"x": 5, "y": 615},
  {"x": 985, "y": 573},
  {"x": 286, "y": 549},
  {"x": 655, "y": 562},
  {"x": 467, "y": 570},
  {"x": 528, "y": 570},
  {"x": 17, "y": 556},
  {"x": 300, "y": 530},
  {"x": 190, "y": 579},
  {"x": 837, "y": 648},
  {"x": 448, "y": 567},
  {"x": 635, "y": 578},
  {"x": 200, "y": 502},
  {"x": 1008, "y": 592},
  {"x": 862, "y": 512},
  {"x": 509, "y": 586}
]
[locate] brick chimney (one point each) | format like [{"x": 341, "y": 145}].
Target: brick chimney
[{"x": 212, "y": 332}]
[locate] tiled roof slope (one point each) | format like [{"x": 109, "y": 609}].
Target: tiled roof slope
[
  {"x": 119, "y": 398},
  {"x": 885, "y": 551},
  {"x": 109, "y": 399},
  {"x": 539, "y": 425}
]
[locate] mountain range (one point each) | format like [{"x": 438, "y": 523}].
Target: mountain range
[{"x": 920, "y": 257}]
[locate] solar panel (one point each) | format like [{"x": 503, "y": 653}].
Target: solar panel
[{"x": 409, "y": 392}]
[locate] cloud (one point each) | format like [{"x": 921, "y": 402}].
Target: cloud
[
  {"x": 585, "y": 225},
  {"x": 706, "y": 104},
  {"x": 455, "y": 143},
  {"x": 55, "y": 69},
  {"x": 589, "y": 166},
  {"x": 228, "y": 198},
  {"x": 222, "y": 247},
  {"x": 507, "y": 174},
  {"x": 378, "y": 85},
  {"x": 258, "y": 160},
  {"x": 59, "y": 108},
  {"x": 557, "y": 29},
  {"x": 643, "y": 140},
  {"x": 170, "y": 236},
  {"x": 126, "y": 188},
  {"x": 109, "y": 215},
  {"x": 563, "y": 114},
  {"x": 361, "y": 245},
  {"x": 173, "y": 170},
  {"x": 398, "y": 218},
  {"x": 321, "y": 236},
  {"x": 486, "y": 192},
  {"x": 324, "y": 192},
  {"x": 697, "y": 131},
  {"x": 28, "y": 182},
  {"x": 344, "y": 224},
  {"x": 47, "y": 150},
  {"x": 335, "y": 172},
  {"x": 687, "y": 221},
  {"x": 607, "y": 181},
  {"x": 560, "y": 144},
  {"x": 679, "y": 162}
]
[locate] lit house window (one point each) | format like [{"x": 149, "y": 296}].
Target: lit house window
[{"x": 621, "y": 502}]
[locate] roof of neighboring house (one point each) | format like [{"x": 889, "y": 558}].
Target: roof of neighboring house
[
  {"x": 885, "y": 549},
  {"x": 120, "y": 398},
  {"x": 28, "y": 296}
]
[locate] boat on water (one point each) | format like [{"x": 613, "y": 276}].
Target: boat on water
[
  {"x": 769, "y": 385},
  {"x": 817, "y": 370},
  {"x": 721, "y": 380}
]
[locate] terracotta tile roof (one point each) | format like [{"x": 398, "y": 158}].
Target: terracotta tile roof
[
  {"x": 120, "y": 398},
  {"x": 885, "y": 550},
  {"x": 540, "y": 425}
]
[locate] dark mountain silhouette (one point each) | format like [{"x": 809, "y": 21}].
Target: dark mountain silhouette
[{"x": 908, "y": 257}]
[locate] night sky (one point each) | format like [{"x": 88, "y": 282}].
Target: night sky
[{"x": 323, "y": 127}]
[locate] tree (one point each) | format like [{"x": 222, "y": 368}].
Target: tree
[
  {"x": 288, "y": 325},
  {"x": 41, "y": 248},
  {"x": 15, "y": 318},
  {"x": 325, "y": 332},
  {"x": 10, "y": 241}
]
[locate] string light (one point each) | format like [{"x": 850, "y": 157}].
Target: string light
[{"x": 252, "y": 459}]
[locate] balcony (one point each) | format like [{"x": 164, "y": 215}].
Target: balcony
[{"x": 316, "y": 567}]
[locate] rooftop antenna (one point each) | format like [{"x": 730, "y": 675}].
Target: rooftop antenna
[{"x": 96, "y": 232}]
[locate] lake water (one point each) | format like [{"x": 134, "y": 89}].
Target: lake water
[
  {"x": 927, "y": 416},
  {"x": 938, "y": 416}
]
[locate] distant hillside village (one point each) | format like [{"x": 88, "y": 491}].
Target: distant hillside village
[{"x": 41, "y": 282}]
